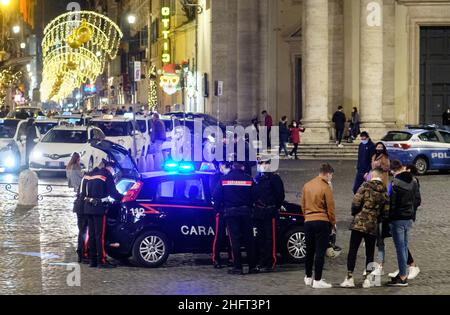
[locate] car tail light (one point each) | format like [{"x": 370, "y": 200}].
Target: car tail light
[
  {"x": 133, "y": 193},
  {"x": 403, "y": 146}
]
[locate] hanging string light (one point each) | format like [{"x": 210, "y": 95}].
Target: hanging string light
[
  {"x": 76, "y": 47},
  {"x": 153, "y": 89}
]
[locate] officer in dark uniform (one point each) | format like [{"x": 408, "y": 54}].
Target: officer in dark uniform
[
  {"x": 99, "y": 188},
  {"x": 269, "y": 196},
  {"x": 82, "y": 221},
  {"x": 220, "y": 238},
  {"x": 235, "y": 195}
]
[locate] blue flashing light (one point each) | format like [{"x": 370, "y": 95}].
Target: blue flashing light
[
  {"x": 182, "y": 167},
  {"x": 186, "y": 168},
  {"x": 171, "y": 166}
]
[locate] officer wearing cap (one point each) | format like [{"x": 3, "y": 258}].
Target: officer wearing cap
[
  {"x": 270, "y": 195},
  {"x": 235, "y": 195},
  {"x": 220, "y": 238},
  {"x": 98, "y": 189}
]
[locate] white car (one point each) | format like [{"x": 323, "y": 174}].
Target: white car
[
  {"x": 123, "y": 131},
  {"x": 54, "y": 151},
  {"x": 13, "y": 144},
  {"x": 74, "y": 119},
  {"x": 45, "y": 125},
  {"x": 145, "y": 125}
]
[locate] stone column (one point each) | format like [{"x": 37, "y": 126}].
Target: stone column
[
  {"x": 371, "y": 70},
  {"x": 315, "y": 71}
]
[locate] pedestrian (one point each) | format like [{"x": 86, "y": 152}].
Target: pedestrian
[
  {"x": 74, "y": 173},
  {"x": 295, "y": 130},
  {"x": 381, "y": 160},
  {"x": 284, "y": 136},
  {"x": 355, "y": 124},
  {"x": 369, "y": 204},
  {"x": 339, "y": 121},
  {"x": 269, "y": 195},
  {"x": 405, "y": 199},
  {"x": 268, "y": 123},
  {"x": 446, "y": 118},
  {"x": 319, "y": 212},
  {"x": 220, "y": 237},
  {"x": 100, "y": 187},
  {"x": 158, "y": 137},
  {"x": 31, "y": 136},
  {"x": 82, "y": 223},
  {"x": 235, "y": 196},
  {"x": 413, "y": 269},
  {"x": 365, "y": 152},
  {"x": 22, "y": 114}
]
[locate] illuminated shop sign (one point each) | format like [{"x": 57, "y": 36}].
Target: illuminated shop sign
[{"x": 166, "y": 56}]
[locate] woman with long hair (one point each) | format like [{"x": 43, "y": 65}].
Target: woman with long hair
[
  {"x": 74, "y": 173},
  {"x": 381, "y": 160}
]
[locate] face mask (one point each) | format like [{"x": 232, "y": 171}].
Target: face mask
[
  {"x": 365, "y": 141},
  {"x": 380, "y": 151},
  {"x": 263, "y": 168},
  {"x": 295, "y": 125}
]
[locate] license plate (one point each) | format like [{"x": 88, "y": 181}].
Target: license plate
[{"x": 54, "y": 164}]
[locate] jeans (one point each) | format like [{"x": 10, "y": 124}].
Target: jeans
[
  {"x": 283, "y": 148},
  {"x": 317, "y": 240},
  {"x": 359, "y": 180},
  {"x": 400, "y": 230},
  {"x": 339, "y": 135},
  {"x": 355, "y": 241}
]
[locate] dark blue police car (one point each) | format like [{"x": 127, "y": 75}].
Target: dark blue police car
[{"x": 171, "y": 212}]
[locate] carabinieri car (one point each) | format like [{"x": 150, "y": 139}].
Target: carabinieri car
[
  {"x": 426, "y": 147},
  {"x": 171, "y": 212}
]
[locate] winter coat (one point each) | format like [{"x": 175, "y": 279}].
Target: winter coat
[
  {"x": 384, "y": 163},
  {"x": 405, "y": 198},
  {"x": 370, "y": 205},
  {"x": 295, "y": 134},
  {"x": 365, "y": 153},
  {"x": 159, "y": 131},
  {"x": 284, "y": 132},
  {"x": 339, "y": 120}
]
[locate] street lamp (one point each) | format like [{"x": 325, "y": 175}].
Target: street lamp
[
  {"x": 16, "y": 29},
  {"x": 131, "y": 19}
]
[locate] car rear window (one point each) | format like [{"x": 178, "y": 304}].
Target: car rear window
[{"x": 398, "y": 136}]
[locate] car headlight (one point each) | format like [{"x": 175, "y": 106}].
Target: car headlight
[
  {"x": 10, "y": 161},
  {"x": 37, "y": 155}
]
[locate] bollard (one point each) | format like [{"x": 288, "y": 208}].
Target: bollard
[{"x": 28, "y": 188}]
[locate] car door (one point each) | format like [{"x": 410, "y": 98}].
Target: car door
[
  {"x": 207, "y": 214},
  {"x": 433, "y": 148},
  {"x": 445, "y": 138}
]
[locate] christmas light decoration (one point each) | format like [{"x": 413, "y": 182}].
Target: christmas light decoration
[
  {"x": 8, "y": 78},
  {"x": 153, "y": 89},
  {"x": 76, "y": 47}
]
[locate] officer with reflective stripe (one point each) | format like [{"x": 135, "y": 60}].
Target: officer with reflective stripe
[
  {"x": 235, "y": 195},
  {"x": 269, "y": 193},
  {"x": 99, "y": 188}
]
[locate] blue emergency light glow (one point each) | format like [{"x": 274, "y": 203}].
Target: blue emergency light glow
[
  {"x": 186, "y": 168},
  {"x": 171, "y": 166},
  {"x": 182, "y": 167}
]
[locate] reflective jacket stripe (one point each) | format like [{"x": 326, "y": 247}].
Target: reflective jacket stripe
[{"x": 238, "y": 183}]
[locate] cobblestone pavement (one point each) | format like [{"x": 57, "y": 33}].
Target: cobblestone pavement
[{"x": 37, "y": 244}]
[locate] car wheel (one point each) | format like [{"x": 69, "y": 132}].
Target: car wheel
[
  {"x": 91, "y": 164},
  {"x": 422, "y": 165},
  {"x": 151, "y": 249},
  {"x": 294, "y": 245}
]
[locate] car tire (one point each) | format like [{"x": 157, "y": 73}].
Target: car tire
[
  {"x": 293, "y": 248},
  {"x": 422, "y": 165},
  {"x": 151, "y": 249}
]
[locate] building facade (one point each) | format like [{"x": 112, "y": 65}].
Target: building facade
[{"x": 299, "y": 58}]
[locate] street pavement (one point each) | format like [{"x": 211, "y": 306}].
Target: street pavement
[{"x": 36, "y": 246}]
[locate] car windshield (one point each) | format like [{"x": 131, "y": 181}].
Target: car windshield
[
  {"x": 66, "y": 136},
  {"x": 397, "y": 136},
  {"x": 8, "y": 129},
  {"x": 45, "y": 127},
  {"x": 114, "y": 129},
  {"x": 125, "y": 162}
]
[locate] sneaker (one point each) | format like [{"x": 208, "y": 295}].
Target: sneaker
[
  {"x": 398, "y": 282},
  {"x": 394, "y": 274},
  {"x": 308, "y": 281},
  {"x": 348, "y": 283},
  {"x": 367, "y": 284},
  {"x": 340, "y": 146},
  {"x": 413, "y": 272},
  {"x": 321, "y": 284}
]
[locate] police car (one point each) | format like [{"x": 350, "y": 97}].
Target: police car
[
  {"x": 171, "y": 212},
  {"x": 426, "y": 147},
  {"x": 13, "y": 144},
  {"x": 123, "y": 131},
  {"x": 54, "y": 151}
]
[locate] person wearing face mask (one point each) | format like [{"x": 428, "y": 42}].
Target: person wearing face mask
[
  {"x": 220, "y": 237},
  {"x": 318, "y": 207},
  {"x": 295, "y": 130},
  {"x": 381, "y": 160},
  {"x": 269, "y": 195},
  {"x": 365, "y": 152}
]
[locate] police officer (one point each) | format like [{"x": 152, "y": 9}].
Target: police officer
[
  {"x": 269, "y": 193},
  {"x": 99, "y": 188},
  {"x": 220, "y": 238},
  {"x": 82, "y": 221},
  {"x": 235, "y": 195}
]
